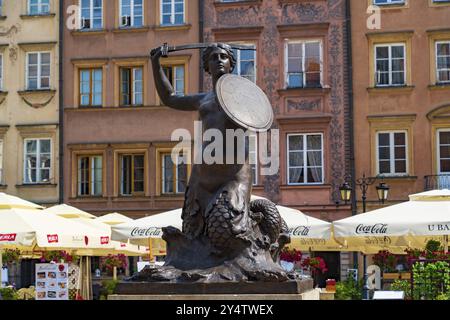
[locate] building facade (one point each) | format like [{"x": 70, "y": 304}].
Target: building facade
[
  {"x": 301, "y": 63},
  {"x": 401, "y": 73},
  {"x": 29, "y": 104},
  {"x": 117, "y": 135}
]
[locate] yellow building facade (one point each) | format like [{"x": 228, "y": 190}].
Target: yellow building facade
[{"x": 29, "y": 99}]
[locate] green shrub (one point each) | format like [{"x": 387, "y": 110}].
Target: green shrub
[
  {"x": 402, "y": 285},
  {"x": 108, "y": 287},
  {"x": 349, "y": 289},
  {"x": 8, "y": 294}
]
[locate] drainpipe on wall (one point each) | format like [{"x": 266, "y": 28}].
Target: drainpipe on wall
[
  {"x": 61, "y": 103},
  {"x": 201, "y": 25},
  {"x": 351, "y": 115}
]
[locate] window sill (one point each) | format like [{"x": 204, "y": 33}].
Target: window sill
[
  {"x": 32, "y": 16},
  {"x": 220, "y": 4},
  {"x": 301, "y": 91},
  {"x": 381, "y": 177},
  {"x": 31, "y": 91},
  {"x": 439, "y": 86},
  {"x": 36, "y": 185},
  {"x": 3, "y": 18},
  {"x": 170, "y": 197},
  {"x": 391, "y": 89},
  {"x": 387, "y": 6},
  {"x": 3, "y": 186},
  {"x": 90, "y": 107},
  {"x": 172, "y": 27},
  {"x": 304, "y": 186},
  {"x": 131, "y": 29},
  {"x": 88, "y": 32}
]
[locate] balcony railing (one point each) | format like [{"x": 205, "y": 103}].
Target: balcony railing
[{"x": 437, "y": 182}]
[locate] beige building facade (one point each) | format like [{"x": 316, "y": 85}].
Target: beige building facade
[
  {"x": 401, "y": 76},
  {"x": 29, "y": 139}
]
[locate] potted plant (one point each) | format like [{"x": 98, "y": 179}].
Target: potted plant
[{"x": 110, "y": 262}]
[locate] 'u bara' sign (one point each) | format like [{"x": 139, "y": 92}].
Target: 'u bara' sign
[
  {"x": 146, "y": 232},
  {"x": 439, "y": 227},
  {"x": 302, "y": 231},
  {"x": 379, "y": 228}
]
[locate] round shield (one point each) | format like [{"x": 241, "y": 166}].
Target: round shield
[{"x": 244, "y": 102}]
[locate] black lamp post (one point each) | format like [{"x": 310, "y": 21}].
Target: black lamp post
[{"x": 382, "y": 192}]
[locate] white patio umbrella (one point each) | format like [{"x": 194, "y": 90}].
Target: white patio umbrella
[
  {"x": 307, "y": 233},
  {"x": 66, "y": 211},
  {"x": 33, "y": 230},
  {"x": 113, "y": 218},
  {"x": 409, "y": 224},
  {"x": 101, "y": 246},
  {"x": 8, "y": 202}
]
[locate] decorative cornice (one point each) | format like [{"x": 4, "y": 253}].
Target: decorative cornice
[
  {"x": 131, "y": 29},
  {"x": 33, "y": 16},
  {"x": 314, "y": 118},
  {"x": 238, "y": 30},
  {"x": 442, "y": 111},
  {"x": 239, "y": 3},
  {"x": 172, "y": 28},
  {"x": 304, "y": 26},
  {"x": 393, "y": 89},
  {"x": 392, "y": 118},
  {"x": 402, "y": 33},
  {"x": 3, "y": 95},
  {"x": 94, "y": 32},
  {"x": 30, "y": 45},
  {"x": 29, "y": 97}
]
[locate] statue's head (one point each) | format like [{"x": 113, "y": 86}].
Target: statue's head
[{"x": 218, "y": 58}]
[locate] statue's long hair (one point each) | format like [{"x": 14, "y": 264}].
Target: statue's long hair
[{"x": 207, "y": 52}]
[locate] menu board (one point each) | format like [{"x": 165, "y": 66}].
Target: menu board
[{"x": 52, "y": 281}]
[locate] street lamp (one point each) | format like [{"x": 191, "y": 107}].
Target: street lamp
[
  {"x": 346, "y": 192},
  {"x": 382, "y": 192}
]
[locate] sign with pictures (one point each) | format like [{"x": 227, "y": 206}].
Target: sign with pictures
[{"x": 52, "y": 281}]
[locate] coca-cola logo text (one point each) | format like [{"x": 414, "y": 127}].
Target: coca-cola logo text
[
  {"x": 146, "y": 233},
  {"x": 52, "y": 238},
  {"x": 8, "y": 237},
  {"x": 378, "y": 228},
  {"x": 300, "y": 231}
]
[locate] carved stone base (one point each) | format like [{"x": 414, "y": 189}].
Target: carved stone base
[{"x": 214, "y": 288}]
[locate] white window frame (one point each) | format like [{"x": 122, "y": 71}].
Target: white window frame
[
  {"x": 286, "y": 59},
  {"x": 438, "y": 150},
  {"x": 389, "y": 2},
  {"x": 436, "y": 60},
  {"x": 38, "y": 160},
  {"x": 91, "y": 176},
  {"x": 163, "y": 180},
  {"x": 392, "y": 152},
  {"x": 39, "y": 66},
  {"x": 305, "y": 159},
  {"x": 91, "y": 15},
  {"x": 172, "y": 13},
  {"x": 39, "y": 5},
  {"x": 132, "y": 15},
  {"x": 134, "y": 85},
  {"x": 405, "y": 71},
  {"x": 238, "y": 59}
]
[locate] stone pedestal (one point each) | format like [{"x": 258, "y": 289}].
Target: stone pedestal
[{"x": 289, "y": 290}]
